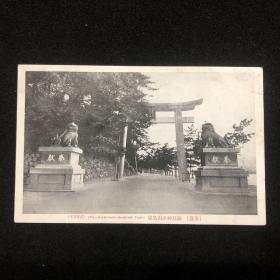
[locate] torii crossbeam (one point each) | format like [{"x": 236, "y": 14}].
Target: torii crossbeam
[{"x": 179, "y": 120}]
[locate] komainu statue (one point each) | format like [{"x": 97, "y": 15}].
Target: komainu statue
[
  {"x": 69, "y": 138},
  {"x": 211, "y": 139}
]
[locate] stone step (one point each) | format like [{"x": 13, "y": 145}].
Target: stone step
[{"x": 250, "y": 191}]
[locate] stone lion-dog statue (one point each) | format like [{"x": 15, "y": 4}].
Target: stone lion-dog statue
[
  {"x": 212, "y": 139},
  {"x": 69, "y": 138}
]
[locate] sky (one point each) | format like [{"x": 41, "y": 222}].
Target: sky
[{"x": 227, "y": 99}]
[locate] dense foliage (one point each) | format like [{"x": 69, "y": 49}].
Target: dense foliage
[
  {"x": 193, "y": 144},
  {"x": 100, "y": 103},
  {"x": 158, "y": 157}
]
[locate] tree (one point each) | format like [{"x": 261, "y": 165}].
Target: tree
[
  {"x": 239, "y": 136},
  {"x": 193, "y": 145},
  {"x": 156, "y": 157},
  {"x": 100, "y": 103}
]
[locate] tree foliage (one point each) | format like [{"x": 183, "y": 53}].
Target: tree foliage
[
  {"x": 239, "y": 136},
  {"x": 193, "y": 144},
  {"x": 158, "y": 157},
  {"x": 100, "y": 103}
]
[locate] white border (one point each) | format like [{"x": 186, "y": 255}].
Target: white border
[{"x": 259, "y": 219}]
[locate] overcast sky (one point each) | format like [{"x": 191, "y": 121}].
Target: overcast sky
[{"x": 227, "y": 99}]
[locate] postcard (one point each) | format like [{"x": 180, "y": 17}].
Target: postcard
[{"x": 140, "y": 145}]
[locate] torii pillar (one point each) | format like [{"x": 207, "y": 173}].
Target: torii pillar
[{"x": 179, "y": 121}]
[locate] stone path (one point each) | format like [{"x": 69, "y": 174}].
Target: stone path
[{"x": 137, "y": 194}]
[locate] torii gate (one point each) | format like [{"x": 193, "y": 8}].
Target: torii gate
[{"x": 179, "y": 120}]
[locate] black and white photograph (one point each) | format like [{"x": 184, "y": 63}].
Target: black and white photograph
[{"x": 152, "y": 145}]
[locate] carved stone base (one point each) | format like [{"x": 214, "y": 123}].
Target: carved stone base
[
  {"x": 220, "y": 171},
  {"x": 221, "y": 178},
  {"x": 58, "y": 171}
]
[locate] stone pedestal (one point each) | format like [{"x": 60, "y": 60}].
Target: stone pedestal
[
  {"x": 220, "y": 171},
  {"x": 59, "y": 170}
]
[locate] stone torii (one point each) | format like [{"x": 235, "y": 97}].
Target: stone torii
[{"x": 179, "y": 120}]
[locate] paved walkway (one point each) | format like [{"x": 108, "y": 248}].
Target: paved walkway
[{"x": 137, "y": 194}]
